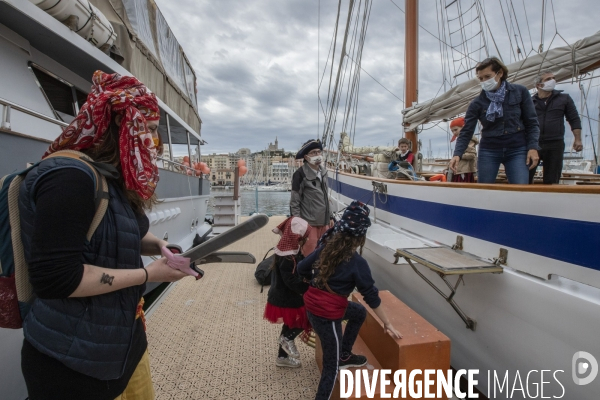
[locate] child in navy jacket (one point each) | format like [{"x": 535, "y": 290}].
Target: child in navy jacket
[{"x": 334, "y": 270}]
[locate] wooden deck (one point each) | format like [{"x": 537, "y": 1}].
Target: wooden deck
[{"x": 208, "y": 340}]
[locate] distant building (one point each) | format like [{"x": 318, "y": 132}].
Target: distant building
[
  {"x": 272, "y": 164},
  {"x": 274, "y": 147},
  {"x": 280, "y": 172},
  {"x": 221, "y": 168}
]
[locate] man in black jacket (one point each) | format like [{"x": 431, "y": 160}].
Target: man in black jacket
[{"x": 552, "y": 107}]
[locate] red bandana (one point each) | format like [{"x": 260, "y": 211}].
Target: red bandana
[
  {"x": 124, "y": 95},
  {"x": 292, "y": 230}
]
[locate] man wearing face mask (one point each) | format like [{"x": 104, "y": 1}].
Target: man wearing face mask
[
  {"x": 510, "y": 127},
  {"x": 552, "y": 107},
  {"x": 310, "y": 199}
]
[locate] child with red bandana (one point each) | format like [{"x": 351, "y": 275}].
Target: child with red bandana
[
  {"x": 467, "y": 166},
  {"x": 284, "y": 302}
]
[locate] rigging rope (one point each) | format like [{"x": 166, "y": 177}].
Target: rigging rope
[
  {"x": 330, "y": 125},
  {"x": 376, "y": 81},
  {"x": 584, "y": 96},
  {"x": 425, "y": 29}
]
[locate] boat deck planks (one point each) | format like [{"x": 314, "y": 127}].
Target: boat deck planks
[{"x": 208, "y": 339}]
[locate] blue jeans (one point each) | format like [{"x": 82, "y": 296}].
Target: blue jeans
[
  {"x": 335, "y": 344},
  {"x": 514, "y": 159}
]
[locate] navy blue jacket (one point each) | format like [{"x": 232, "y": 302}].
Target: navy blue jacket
[
  {"x": 351, "y": 274},
  {"x": 91, "y": 335},
  {"x": 519, "y": 118}
]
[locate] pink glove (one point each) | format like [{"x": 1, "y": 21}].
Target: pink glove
[{"x": 176, "y": 261}]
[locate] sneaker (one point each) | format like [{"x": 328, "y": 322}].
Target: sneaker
[
  {"x": 289, "y": 346},
  {"x": 353, "y": 360},
  {"x": 288, "y": 362}
]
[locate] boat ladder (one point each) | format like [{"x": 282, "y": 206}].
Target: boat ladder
[{"x": 446, "y": 261}]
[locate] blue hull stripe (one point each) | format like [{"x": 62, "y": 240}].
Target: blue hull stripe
[{"x": 571, "y": 241}]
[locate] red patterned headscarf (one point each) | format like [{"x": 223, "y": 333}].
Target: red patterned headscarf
[
  {"x": 292, "y": 231},
  {"x": 124, "y": 95}
]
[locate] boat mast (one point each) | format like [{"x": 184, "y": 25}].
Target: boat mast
[
  {"x": 411, "y": 64},
  {"x": 597, "y": 170}
]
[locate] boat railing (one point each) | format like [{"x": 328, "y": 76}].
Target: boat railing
[
  {"x": 178, "y": 167},
  {"x": 9, "y": 105}
]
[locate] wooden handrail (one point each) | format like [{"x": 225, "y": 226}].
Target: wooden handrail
[{"x": 575, "y": 189}]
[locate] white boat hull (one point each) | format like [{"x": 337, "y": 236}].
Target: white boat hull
[{"x": 525, "y": 321}]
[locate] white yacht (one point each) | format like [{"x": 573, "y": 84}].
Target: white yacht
[{"x": 48, "y": 53}]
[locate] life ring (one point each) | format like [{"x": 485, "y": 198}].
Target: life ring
[{"x": 438, "y": 177}]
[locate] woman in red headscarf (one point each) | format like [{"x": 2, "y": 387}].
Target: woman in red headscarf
[
  {"x": 284, "y": 302},
  {"x": 85, "y": 333},
  {"x": 467, "y": 166}
]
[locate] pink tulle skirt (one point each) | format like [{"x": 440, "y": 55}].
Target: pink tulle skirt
[{"x": 292, "y": 317}]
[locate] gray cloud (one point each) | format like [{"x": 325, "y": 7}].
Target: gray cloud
[{"x": 258, "y": 64}]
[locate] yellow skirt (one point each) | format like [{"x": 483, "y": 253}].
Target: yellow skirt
[{"x": 140, "y": 385}]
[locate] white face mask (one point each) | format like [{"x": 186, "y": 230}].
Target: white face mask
[
  {"x": 315, "y": 160},
  {"x": 490, "y": 84},
  {"x": 549, "y": 85}
]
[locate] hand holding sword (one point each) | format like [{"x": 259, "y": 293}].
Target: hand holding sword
[{"x": 206, "y": 252}]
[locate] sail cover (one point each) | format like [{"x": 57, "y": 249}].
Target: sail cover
[
  {"x": 152, "y": 54},
  {"x": 566, "y": 62}
]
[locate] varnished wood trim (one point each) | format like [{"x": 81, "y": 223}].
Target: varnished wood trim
[{"x": 574, "y": 189}]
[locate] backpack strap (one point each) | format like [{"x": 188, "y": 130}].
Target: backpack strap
[
  {"x": 24, "y": 288},
  {"x": 21, "y": 271},
  {"x": 262, "y": 285},
  {"x": 267, "y": 253},
  {"x": 101, "y": 196}
]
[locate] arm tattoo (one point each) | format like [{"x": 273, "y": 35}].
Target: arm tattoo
[{"x": 107, "y": 279}]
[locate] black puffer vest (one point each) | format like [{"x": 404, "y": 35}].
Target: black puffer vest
[{"x": 91, "y": 335}]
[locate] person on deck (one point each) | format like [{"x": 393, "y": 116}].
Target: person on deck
[
  {"x": 553, "y": 107},
  {"x": 334, "y": 269},
  {"x": 85, "y": 333},
  {"x": 510, "y": 128},
  {"x": 467, "y": 167},
  {"x": 405, "y": 154},
  {"x": 310, "y": 198},
  {"x": 284, "y": 301}
]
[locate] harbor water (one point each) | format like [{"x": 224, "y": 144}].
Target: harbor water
[{"x": 270, "y": 203}]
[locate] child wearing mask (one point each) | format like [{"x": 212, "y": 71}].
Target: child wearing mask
[
  {"x": 334, "y": 269},
  {"x": 284, "y": 301},
  {"x": 467, "y": 166}
]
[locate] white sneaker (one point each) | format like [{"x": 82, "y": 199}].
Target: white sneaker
[
  {"x": 289, "y": 346},
  {"x": 288, "y": 362}
]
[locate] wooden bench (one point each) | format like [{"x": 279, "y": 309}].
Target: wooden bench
[{"x": 422, "y": 347}]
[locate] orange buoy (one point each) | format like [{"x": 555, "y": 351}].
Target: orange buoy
[{"x": 438, "y": 177}]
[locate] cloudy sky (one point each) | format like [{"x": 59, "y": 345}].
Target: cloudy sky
[{"x": 258, "y": 63}]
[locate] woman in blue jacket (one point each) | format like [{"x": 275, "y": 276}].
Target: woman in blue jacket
[{"x": 510, "y": 128}]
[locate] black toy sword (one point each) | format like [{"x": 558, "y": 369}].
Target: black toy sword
[{"x": 207, "y": 252}]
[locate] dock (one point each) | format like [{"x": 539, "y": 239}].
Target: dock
[{"x": 208, "y": 340}]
